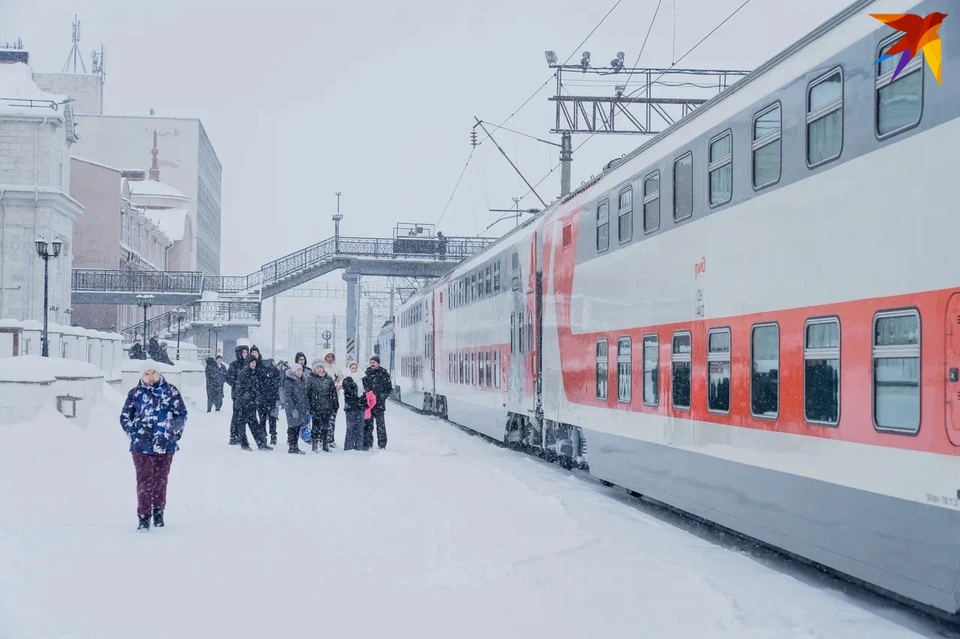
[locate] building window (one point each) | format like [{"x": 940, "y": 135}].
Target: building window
[
  {"x": 681, "y": 370},
  {"x": 489, "y": 372},
  {"x": 821, "y": 371},
  {"x": 766, "y": 147},
  {"x": 683, "y": 187},
  {"x": 624, "y": 369},
  {"x": 720, "y": 169},
  {"x": 603, "y": 226},
  {"x": 651, "y": 202},
  {"x": 765, "y": 371},
  {"x": 896, "y": 371},
  {"x": 601, "y": 369},
  {"x": 825, "y": 118},
  {"x": 496, "y": 276},
  {"x": 718, "y": 370},
  {"x": 651, "y": 370},
  {"x": 900, "y": 101},
  {"x": 496, "y": 368},
  {"x": 625, "y": 215}
]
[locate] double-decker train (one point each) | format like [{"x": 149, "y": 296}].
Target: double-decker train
[{"x": 754, "y": 317}]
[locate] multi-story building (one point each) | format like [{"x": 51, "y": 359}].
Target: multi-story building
[
  {"x": 189, "y": 163},
  {"x": 37, "y": 131}
]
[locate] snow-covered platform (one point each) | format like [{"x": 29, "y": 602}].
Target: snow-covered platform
[{"x": 441, "y": 535}]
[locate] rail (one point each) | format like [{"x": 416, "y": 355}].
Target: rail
[
  {"x": 126, "y": 281},
  {"x": 202, "y": 312}
]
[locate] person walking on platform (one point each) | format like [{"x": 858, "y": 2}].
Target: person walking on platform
[
  {"x": 153, "y": 417},
  {"x": 377, "y": 379},
  {"x": 323, "y": 405},
  {"x": 233, "y": 371},
  {"x": 248, "y": 400},
  {"x": 270, "y": 380},
  {"x": 214, "y": 378},
  {"x": 354, "y": 405},
  {"x": 296, "y": 403}
]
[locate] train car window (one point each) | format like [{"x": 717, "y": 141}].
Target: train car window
[
  {"x": 496, "y": 367},
  {"x": 460, "y": 358},
  {"x": 520, "y": 332},
  {"x": 496, "y": 276},
  {"x": 720, "y": 169},
  {"x": 821, "y": 371},
  {"x": 651, "y": 202},
  {"x": 529, "y": 332},
  {"x": 681, "y": 369},
  {"x": 896, "y": 371},
  {"x": 603, "y": 226},
  {"x": 767, "y": 159},
  {"x": 624, "y": 369},
  {"x": 473, "y": 369},
  {"x": 513, "y": 330},
  {"x": 651, "y": 370},
  {"x": 900, "y": 101},
  {"x": 480, "y": 368},
  {"x": 489, "y": 281},
  {"x": 625, "y": 215},
  {"x": 473, "y": 287},
  {"x": 683, "y": 187},
  {"x": 516, "y": 263},
  {"x": 825, "y": 118},
  {"x": 601, "y": 369},
  {"x": 488, "y": 369},
  {"x": 765, "y": 371},
  {"x": 718, "y": 370}
]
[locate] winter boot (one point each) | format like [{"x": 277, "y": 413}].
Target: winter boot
[
  {"x": 144, "y": 522},
  {"x": 264, "y": 446},
  {"x": 273, "y": 439},
  {"x": 314, "y": 444},
  {"x": 157, "y": 518},
  {"x": 245, "y": 447},
  {"x": 295, "y": 450}
]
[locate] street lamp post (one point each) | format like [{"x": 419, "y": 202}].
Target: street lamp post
[
  {"x": 216, "y": 339},
  {"x": 47, "y": 251},
  {"x": 336, "y": 227},
  {"x": 181, "y": 315},
  {"x": 146, "y": 301}
]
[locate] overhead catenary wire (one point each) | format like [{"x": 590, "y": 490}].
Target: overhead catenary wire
[
  {"x": 455, "y": 186},
  {"x": 680, "y": 59}
]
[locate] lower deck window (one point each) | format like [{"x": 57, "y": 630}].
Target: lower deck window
[
  {"x": 896, "y": 371},
  {"x": 601, "y": 369},
  {"x": 681, "y": 370},
  {"x": 821, "y": 371},
  {"x": 624, "y": 369},
  {"x": 718, "y": 370},
  {"x": 765, "y": 371},
  {"x": 651, "y": 370}
]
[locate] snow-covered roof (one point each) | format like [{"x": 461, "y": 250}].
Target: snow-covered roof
[
  {"x": 95, "y": 163},
  {"x": 140, "y": 189},
  {"x": 20, "y": 95},
  {"x": 172, "y": 222}
]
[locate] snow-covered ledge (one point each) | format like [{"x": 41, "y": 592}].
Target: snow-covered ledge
[{"x": 28, "y": 383}]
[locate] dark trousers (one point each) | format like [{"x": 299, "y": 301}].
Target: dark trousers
[
  {"x": 247, "y": 418},
  {"x": 293, "y": 435},
  {"x": 152, "y": 473},
  {"x": 320, "y": 430},
  {"x": 354, "y": 437},
  {"x": 236, "y": 424},
  {"x": 214, "y": 399},
  {"x": 381, "y": 419},
  {"x": 268, "y": 421}
]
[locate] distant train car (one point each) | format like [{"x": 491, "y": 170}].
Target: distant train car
[
  {"x": 384, "y": 347},
  {"x": 752, "y": 318}
]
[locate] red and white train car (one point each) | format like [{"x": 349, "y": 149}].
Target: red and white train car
[{"x": 755, "y": 316}]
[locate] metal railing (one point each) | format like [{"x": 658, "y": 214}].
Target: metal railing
[
  {"x": 204, "y": 313},
  {"x": 95, "y": 280}
]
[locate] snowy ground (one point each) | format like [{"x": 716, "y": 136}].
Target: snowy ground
[{"x": 442, "y": 535}]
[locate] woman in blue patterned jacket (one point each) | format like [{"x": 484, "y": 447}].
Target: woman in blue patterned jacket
[{"x": 153, "y": 417}]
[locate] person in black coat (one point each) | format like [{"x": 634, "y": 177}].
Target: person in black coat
[
  {"x": 214, "y": 385},
  {"x": 270, "y": 379},
  {"x": 378, "y": 380},
  {"x": 247, "y": 399},
  {"x": 324, "y": 404},
  {"x": 231, "y": 379},
  {"x": 296, "y": 404},
  {"x": 137, "y": 352}
]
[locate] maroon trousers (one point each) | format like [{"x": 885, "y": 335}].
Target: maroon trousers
[{"x": 152, "y": 473}]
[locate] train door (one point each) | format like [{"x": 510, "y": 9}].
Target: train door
[
  {"x": 432, "y": 344},
  {"x": 952, "y": 360},
  {"x": 533, "y": 332},
  {"x": 517, "y": 334}
]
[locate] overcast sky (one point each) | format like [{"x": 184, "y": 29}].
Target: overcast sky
[{"x": 376, "y": 98}]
